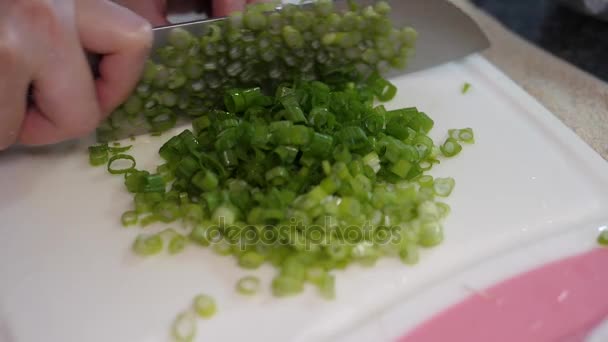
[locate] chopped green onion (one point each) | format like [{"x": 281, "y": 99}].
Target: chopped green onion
[
  {"x": 129, "y": 218},
  {"x": 238, "y": 100},
  {"x": 184, "y": 327},
  {"x": 401, "y": 168},
  {"x": 284, "y": 286},
  {"x": 119, "y": 159},
  {"x": 292, "y": 37},
  {"x": 121, "y": 149},
  {"x": 98, "y": 155},
  {"x": 254, "y": 20},
  {"x": 251, "y": 260},
  {"x": 431, "y": 234},
  {"x": 409, "y": 254},
  {"x": 204, "y": 306},
  {"x": 167, "y": 211},
  {"x": 286, "y": 138},
  {"x": 222, "y": 248},
  {"x": 327, "y": 286},
  {"x": 462, "y": 135},
  {"x": 602, "y": 239},
  {"x": 145, "y": 245},
  {"x": 443, "y": 186},
  {"x": 444, "y": 209},
  {"x": 466, "y": 135},
  {"x": 177, "y": 244},
  {"x": 248, "y": 285},
  {"x": 451, "y": 147},
  {"x": 466, "y": 87},
  {"x": 180, "y": 38},
  {"x": 205, "y": 180}
]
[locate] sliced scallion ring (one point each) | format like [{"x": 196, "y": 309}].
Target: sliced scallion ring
[{"x": 116, "y": 164}]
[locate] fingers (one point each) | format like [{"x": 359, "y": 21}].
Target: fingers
[
  {"x": 66, "y": 102},
  {"x": 222, "y": 8},
  {"x": 124, "y": 39},
  {"x": 13, "y": 87}
]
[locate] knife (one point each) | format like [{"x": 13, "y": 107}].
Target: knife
[{"x": 445, "y": 32}]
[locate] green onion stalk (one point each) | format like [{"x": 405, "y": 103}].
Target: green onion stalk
[{"x": 188, "y": 77}]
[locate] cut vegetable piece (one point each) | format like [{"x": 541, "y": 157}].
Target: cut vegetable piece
[
  {"x": 443, "y": 186},
  {"x": 431, "y": 234},
  {"x": 248, "y": 285},
  {"x": 450, "y": 148},
  {"x": 285, "y": 286},
  {"x": 327, "y": 286},
  {"x": 251, "y": 260},
  {"x": 98, "y": 155},
  {"x": 116, "y": 164},
  {"x": 146, "y": 245},
  {"x": 602, "y": 238},
  {"x": 204, "y": 306},
  {"x": 184, "y": 327},
  {"x": 177, "y": 244},
  {"x": 129, "y": 218}
]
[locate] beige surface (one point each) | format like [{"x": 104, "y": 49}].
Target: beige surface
[{"x": 575, "y": 97}]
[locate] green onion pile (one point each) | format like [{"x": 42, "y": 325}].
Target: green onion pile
[
  {"x": 291, "y": 159},
  {"x": 310, "y": 180},
  {"x": 257, "y": 48}
]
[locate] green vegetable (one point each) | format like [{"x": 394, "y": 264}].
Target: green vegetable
[
  {"x": 129, "y": 218},
  {"x": 177, "y": 242},
  {"x": 184, "y": 327},
  {"x": 466, "y": 87},
  {"x": 290, "y": 161},
  {"x": 119, "y": 149},
  {"x": 443, "y": 186},
  {"x": 451, "y": 147},
  {"x": 463, "y": 135},
  {"x": 98, "y": 155},
  {"x": 326, "y": 285},
  {"x": 248, "y": 285},
  {"x": 284, "y": 286},
  {"x": 204, "y": 306},
  {"x": 602, "y": 239},
  {"x": 190, "y": 75},
  {"x": 146, "y": 245},
  {"x": 118, "y": 159}
]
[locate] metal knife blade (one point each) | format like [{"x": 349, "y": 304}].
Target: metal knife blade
[{"x": 446, "y": 33}]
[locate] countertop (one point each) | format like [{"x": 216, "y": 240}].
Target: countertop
[
  {"x": 576, "y": 97},
  {"x": 550, "y": 24}
]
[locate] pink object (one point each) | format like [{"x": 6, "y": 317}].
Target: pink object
[{"x": 561, "y": 301}]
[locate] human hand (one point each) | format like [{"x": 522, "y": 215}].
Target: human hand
[
  {"x": 42, "y": 43},
  {"x": 156, "y": 11}
]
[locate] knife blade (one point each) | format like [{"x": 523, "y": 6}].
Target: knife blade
[{"x": 446, "y": 33}]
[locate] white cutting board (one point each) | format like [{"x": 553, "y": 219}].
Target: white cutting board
[{"x": 68, "y": 275}]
